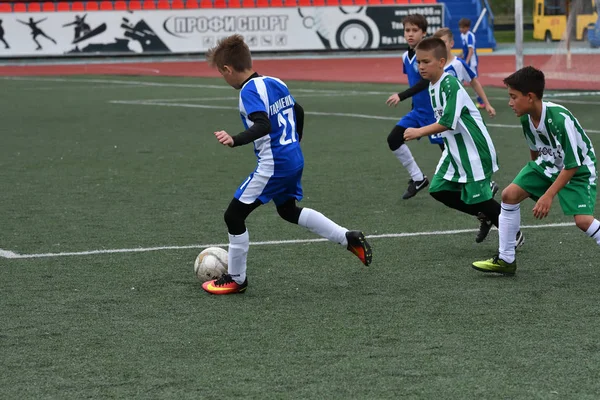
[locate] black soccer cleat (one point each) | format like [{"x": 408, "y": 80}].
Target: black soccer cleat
[
  {"x": 494, "y": 186},
  {"x": 520, "y": 240},
  {"x": 415, "y": 187},
  {"x": 358, "y": 245},
  {"x": 484, "y": 227}
]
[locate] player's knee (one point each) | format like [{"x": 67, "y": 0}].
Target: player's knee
[
  {"x": 289, "y": 211},
  {"x": 235, "y": 221},
  {"x": 396, "y": 138},
  {"x": 584, "y": 222},
  {"x": 513, "y": 194}
]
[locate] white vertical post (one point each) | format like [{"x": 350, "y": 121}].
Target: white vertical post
[
  {"x": 570, "y": 25},
  {"x": 519, "y": 33}
]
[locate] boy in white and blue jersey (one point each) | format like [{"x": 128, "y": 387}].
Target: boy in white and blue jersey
[
  {"x": 415, "y": 28},
  {"x": 469, "y": 50},
  {"x": 459, "y": 69},
  {"x": 274, "y": 123}
]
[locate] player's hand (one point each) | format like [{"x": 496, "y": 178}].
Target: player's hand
[
  {"x": 224, "y": 138},
  {"x": 491, "y": 110},
  {"x": 542, "y": 207},
  {"x": 411, "y": 133},
  {"x": 393, "y": 100}
]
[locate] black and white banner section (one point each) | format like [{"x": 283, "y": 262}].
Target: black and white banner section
[{"x": 195, "y": 31}]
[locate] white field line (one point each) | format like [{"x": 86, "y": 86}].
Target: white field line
[
  {"x": 327, "y": 114},
  {"x": 13, "y": 255},
  {"x": 128, "y": 83},
  {"x": 8, "y": 254},
  {"x": 81, "y": 87}
]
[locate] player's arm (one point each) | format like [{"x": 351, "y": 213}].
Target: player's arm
[
  {"x": 411, "y": 91},
  {"x": 299, "y": 111},
  {"x": 481, "y": 93},
  {"x": 256, "y": 112},
  {"x": 449, "y": 118},
  {"x": 260, "y": 128},
  {"x": 470, "y": 46},
  {"x": 394, "y": 99},
  {"x": 542, "y": 206},
  {"x": 415, "y": 133},
  {"x": 469, "y": 55}
]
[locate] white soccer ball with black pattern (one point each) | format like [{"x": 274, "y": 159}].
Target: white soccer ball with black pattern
[{"x": 211, "y": 264}]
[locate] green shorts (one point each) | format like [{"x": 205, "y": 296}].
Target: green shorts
[
  {"x": 578, "y": 197},
  {"x": 470, "y": 193}
]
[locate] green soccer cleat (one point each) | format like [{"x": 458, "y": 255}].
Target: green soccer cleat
[{"x": 496, "y": 265}]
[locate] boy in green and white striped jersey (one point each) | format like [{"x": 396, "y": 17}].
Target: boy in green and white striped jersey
[
  {"x": 462, "y": 178},
  {"x": 564, "y": 164}
]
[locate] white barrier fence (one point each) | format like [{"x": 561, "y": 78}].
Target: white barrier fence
[{"x": 195, "y": 31}]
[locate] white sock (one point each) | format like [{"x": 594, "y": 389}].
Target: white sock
[
  {"x": 594, "y": 231},
  {"x": 404, "y": 155},
  {"x": 317, "y": 223},
  {"x": 238, "y": 252},
  {"x": 508, "y": 225}
]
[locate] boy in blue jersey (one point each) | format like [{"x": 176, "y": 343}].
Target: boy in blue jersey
[
  {"x": 469, "y": 50},
  {"x": 415, "y": 28},
  {"x": 274, "y": 123}
]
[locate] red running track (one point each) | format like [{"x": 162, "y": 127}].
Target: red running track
[{"x": 492, "y": 70}]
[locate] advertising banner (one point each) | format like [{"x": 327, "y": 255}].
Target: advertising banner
[{"x": 195, "y": 31}]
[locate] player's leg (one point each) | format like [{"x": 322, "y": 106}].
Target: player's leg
[
  {"x": 578, "y": 198},
  {"x": 397, "y": 145},
  {"x": 481, "y": 196},
  {"x": 528, "y": 183},
  {"x": 473, "y": 199},
  {"x": 246, "y": 199},
  {"x": 234, "y": 281},
  {"x": 318, "y": 223},
  {"x": 485, "y": 222}
]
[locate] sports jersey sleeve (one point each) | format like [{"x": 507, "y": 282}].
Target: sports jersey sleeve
[
  {"x": 471, "y": 40},
  {"x": 465, "y": 74},
  {"x": 452, "y": 103},
  {"x": 528, "y": 134},
  {"x": 411, "y": 91},
  {"x": 252, "y": 100},
  {"x": 567, "y": 137},
  {"x": 261, "y": 127}
]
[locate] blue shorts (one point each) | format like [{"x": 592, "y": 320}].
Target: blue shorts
[
  {"x": 266, "y": 188},
  {"x": 416, "y": 119}
]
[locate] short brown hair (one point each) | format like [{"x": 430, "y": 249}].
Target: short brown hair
[
  {"x": 436, "y": 45},
  {"x": 444, "y": 32},
  {"x": 416, "y": 19},
  {"x": 464, "y": 22},
  {"x": 231, "y": 51}
]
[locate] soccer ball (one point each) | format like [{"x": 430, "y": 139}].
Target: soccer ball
[{"x": 211, "y": 264}]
